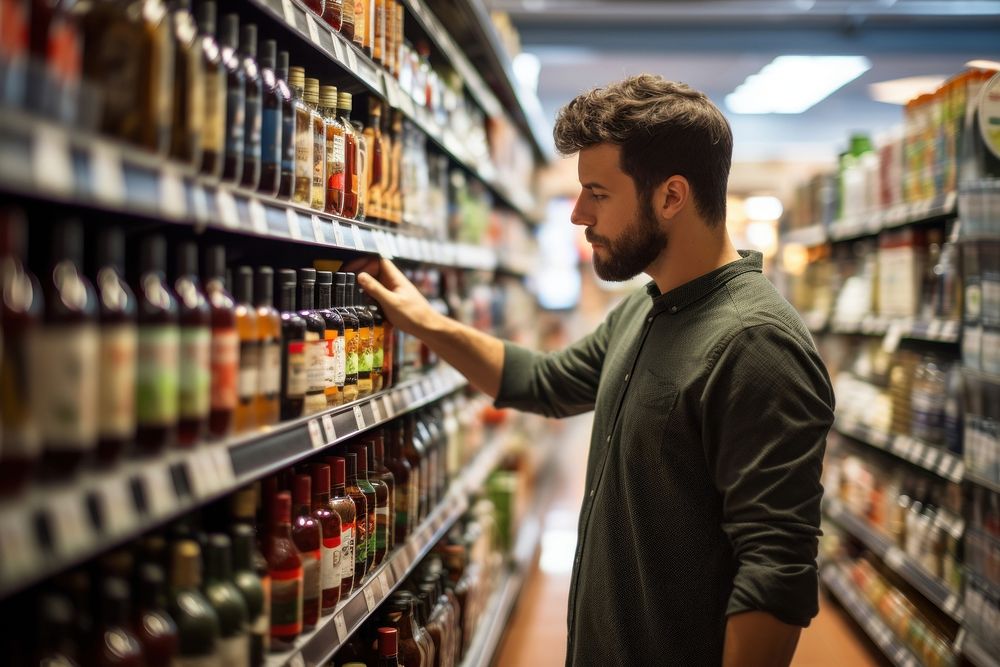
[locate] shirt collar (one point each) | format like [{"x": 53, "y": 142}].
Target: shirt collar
[{"x": 683, "y": 296}]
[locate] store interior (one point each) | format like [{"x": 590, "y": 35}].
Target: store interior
[{"x": 216, "y": 449}]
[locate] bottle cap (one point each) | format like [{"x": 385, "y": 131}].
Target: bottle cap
[
  {"x": 324, "y": 277},
  {"x": 281, "y": 507},
  {"x": 328, "y": 96},
  {"x": 244, "y": 503},
  {"x": 263, "y": 288},
  {"x": 307, "y": 274},
  {"x": 187, "y": 564},
  {"x": 230, "y": 31},
  {"x": 303, "y": 489},
  {"x": 215, "y": 262},
  {"x": 311, "y": 94},
  {"x": 387, "y": 642},
  {"x": 282, "y": 67},
  {"x": 248, "y": 40},
  {"x": 244, "y": 285},
  {"x": 339, "y": 471},
  {"x": 207, "y": 17},
  {"x": 297, "y": 77},
  {"x": 321, "y": 478},
  {"x": 269, "y": 54},
  {"x": 345, "y": 101},
  {"x": 340, "y": 278},
  {"x": 287, "y": 277},
  {"x": 187, "y": 259},
  {"x": 219, "y": 559}
]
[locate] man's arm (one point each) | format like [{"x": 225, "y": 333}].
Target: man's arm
[{"x": 758, "y": 639}]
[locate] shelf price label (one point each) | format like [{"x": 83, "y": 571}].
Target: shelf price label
[
  {"x": 331, "y": 432},
  {"x": 352, "y": 59},
  {"x": 315, "y": 434},
  {"x": 106, "y": 173},
  {"x": 338, "y": 234},
  {"x": 369, "y": 597},
  {"x": 375, "y": 410},
  {"x": 17, "y": 547},
  {"x": 384, "y": 581},
  {"x": 223, "y": 465},
  {"x": 293, "y": 224},
  {"x": 172, "y": 199},
  {"x": 317, "y": 226},
  {"x": 71, "y": 527},
  {"x": 258, "y": 216},
  {"x": 313, "y": 29},
  {"x": 288, "y": 11},
  {"x": 388, "y": 407},
  {"x": 158, "y": 489},
  {"x": 117, "y": 506},
  {"x": 359, "y": 417},
  {"x": 341, "y": 625},
  {"x": 51, "y": 161},
  {"x": 228, "y": 213},
  {"x": 359, "y": 241}
]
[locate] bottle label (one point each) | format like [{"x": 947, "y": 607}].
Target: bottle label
[
  {"x": 213, "y": 137},
  {"x": 270, "y": 136},
  {"x": 195, "y": 372},
  {"x": 157, "y": 380},
  {"x": 234, "y": 651},
  {"x": 367, "y": 357},
  {"x": 116, "y": 397},
  {"x": 296, "y": 382},
  {"x": 311, "y": 574},
  {"x": 346, "y": 551},
  {"x": 64, "y": 382},
  {"x": 360, "y": 540},
  {"x": 337, "y": 178},
  {"x": 254, "y": 124},
  {"x": 330, "y": 569},
  {"x": 303, "y": 148},
  {"x": 382, "y": 525},
  {"x": 288, "y": 142},
  {"x": 20, "y": 433},
  {"x": 330, "y": 359},
  {"x": 339, "y": 361},
  {"x": 378, "y": 359},
  {"x": 286, "y": 602},
  {"x": 351, "y": 354},
  {"x": 414, "y": 495},
  {"x": 225, "y": 368},
  {"x": 319, "y": 158},
  {"x": 249, "y": 381},
  {"x": 372, "y": 533},
  {"x": 235, "y": 120},
  {"x": 270, "y": 368},
  {"x": 315, "y": 362}
]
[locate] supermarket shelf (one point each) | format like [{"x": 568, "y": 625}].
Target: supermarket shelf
[
  {"x": 984, "y": 482},
  {"x": 900, "y": 563},
  {"x": 935, "y": 460},
  {"x": 942, "y": 206},
  {"x": 936, "y": 330},
  {"x": 318, "y": 646},
  {"x": 38, "y": 159},
  {"x": 810, "y": 236},
  {"x": 838, "y": 583},
  {"x": 54, "y": 527},
  {"x": 376, "y": 79},
  {"x": 977, "y": 654}
]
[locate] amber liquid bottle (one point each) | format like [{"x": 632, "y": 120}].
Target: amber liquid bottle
[
  {"x": 157, "y": 372},
  {"x": 364, "y": 172},
  {"x": 378, "y": 31},
  {"x": 285, "y": 566},
  {"x": 333, "y": 13},
  {"x": 293, "y": 349},
  {"x": 268, "y": 402},
  {"x": 371, "y": 498},
  {"x": 118, "y": 341},
  {"x": 249, "y": 330},
  {"x": 366, "y": 326},
  {"x": 154, "y": 627},
  {"x": 399, "y": 615},
  {"x": 311, "y": 98},
  {"x": 376, "y": 181},
  {"x": 403, "y": 476},
  {"x": 330, "y": 527},
  {"x": 352, "y": 336},
  {"x": 350, "y": 208},
  {"x": 334, "y": 150},
  {"x": 116, "y": 645},
  {"x": 396, "y": 199},
  {"x": 362, "y": 539},
  {"x": 196, "y": 345},
  {"x": 232, "y": 163},
  {"x": 270, "y": 132},
  {"x": 225, "y": 355},
  {"x": 286, "y": 184},
  {"x": 308, "y": 538},
  {"x": 213, "y": 140},
  {"x": 384, "y": 150},
  {"x": 254, "y": 100},
  {"x": 317, "y": 6},
  {"x": 335, "y": 339},
  {"x": 315, "y": 399},
  {"x": 302, "y": 192},
  {"x": 347, "y": 19},
  {"x": 64, "y": 358},
  {"x": 345, "y": 508},
  {"x": 382, "y": 480},
  {"x": 363, "y": 25}
]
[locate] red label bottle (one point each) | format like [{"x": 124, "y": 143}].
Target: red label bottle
[
  {"x": 285, "y": 568},
  {"x": 344, "y": 506},
  {"x": 330, "y": 554},
  {"x": 308, "y": 537},
  {"x": 225, "y": 350}
]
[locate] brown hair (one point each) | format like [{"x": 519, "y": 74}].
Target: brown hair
[{"x": 663, "y": 128}]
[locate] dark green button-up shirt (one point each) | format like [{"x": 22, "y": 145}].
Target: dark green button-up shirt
[{"x": 711, "y": 410}]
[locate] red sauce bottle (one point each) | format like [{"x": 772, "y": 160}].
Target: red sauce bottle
[{"x": 285, "y": 567}]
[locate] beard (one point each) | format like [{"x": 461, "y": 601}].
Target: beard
[{"x": 635, "y": 249}]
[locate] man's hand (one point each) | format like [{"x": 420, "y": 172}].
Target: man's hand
[
  {"x": 401, "y": 301},
  {"x": 758, "y": 639}
]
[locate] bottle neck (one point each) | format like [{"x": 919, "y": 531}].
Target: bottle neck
[
  {"x": 321, "y": 499},
  {"x": 287, "y": 298},
  {"x": 339, "y": 296},
  {"x": 324, "y": 293},
  {"x": 306, "y": 296},
  {"x": 345, "y": 115},
  {"x": 339, "y": 490}
]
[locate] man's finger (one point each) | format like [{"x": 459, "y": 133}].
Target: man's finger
[
  {"x": 373, "y": 287},
  {"x": 368, "y": 264}
]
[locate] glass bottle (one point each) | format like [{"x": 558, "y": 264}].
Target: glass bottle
[
  {"x": 268, "y": 405},
  {"x": 350, "y": 208},
  {"x": 362, "y": 168},
  {"x": 251, "y": 588},
  {"x": 399, "y": 615},
  {"x": 372, "y": 501},
  {"x": 225, "y": 343},
  {"x": 286, "y": 574},
  {"x": 437, "y": 632},
  {"x": 315, "y": 349},
  {"x": 271, "y": 126},
  {"x": 378, "y": 338},
  {"x": 414, "y": 452},
  {"x": 20, "y": 312},
  {"x": 376, "y": 158},
  {"x": 396, "y": 186},
  {"x": 383, "y": 504},
  {"x": 55, "y": 644},
  {"x": 422, "y": 635},
  {"x": 116, "y": 644},
  {"x": 286, "y": 185},
  {"x": 362, "y": 26},
  {"x": 197, "y": 621},
  {"x": 158, "y": 355},
  {"x": 402, "y": 473},
  {"x": 244, "y": 509},
  {"x": 317, "y": 6},
  {"x": 293, "y": 349},
  {"x": 226, "y": 599},
  {"x": 347, "y": 19},
  {"x": 311, "y": 98},
  {"x": 366, "y": 325},
  {"x": 213, "y": 140},
  {"x": 302, "y": 192},
  {"x": 154, "y": 626},
  {"x": 384, "y": 150},
  {"x": 232, "y": 163},
  {"x": 429, "y": 455},
  {"x": 378, "y": 31},
  {"x": 249, "y": 331},
  {"x": 387, "y": 647},
  {"x": 381, "y": 471},
  {"x": 352, "y": 336},
  {"x": 308, "y": 537},
  {"x": 345, "y": 508},
  {"x": 330, "y": 551},
  {"x": 335, "y": 333},
  {"x": 64, "y": 358},
  {"x": 188, "y": 113},
  {"x": 157, "y": 86},
  {"x": 254, "y": 100},
  {"x": 334, "y": 150},
  {"x": 196, "y": 346},
  {"x": 333, "y": 13},
  {"x": 362, "y": 559}
]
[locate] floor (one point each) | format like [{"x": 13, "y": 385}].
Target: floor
[{"x": 537, "y": 631}]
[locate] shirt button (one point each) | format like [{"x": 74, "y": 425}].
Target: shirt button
[
  {"x": 627, "y": 376},
  {"x": 649, "y": 319},
  {"x": 673, "y": 309},
  {"x": 609, "y": 439},
  {"x": 592, "y": 492}
]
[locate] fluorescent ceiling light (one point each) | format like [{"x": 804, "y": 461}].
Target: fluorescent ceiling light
[
  {"x": 983, "y": 64},
  {"x": 793, "y": 84},
  {"x": 527, "y": 67},
  {"x": 763, "y": 208},
  {"x": 901, "y": 91}
]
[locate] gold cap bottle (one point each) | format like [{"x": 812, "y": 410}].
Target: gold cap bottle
[
  {"x": 297, "y": 77},
  {"x": 345, "y": 101},
  {"x": 311, "y": 95},
  {"x": 328, "y": 96},
  {"x": 187, "y": 565}
]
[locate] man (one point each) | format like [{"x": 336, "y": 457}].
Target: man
[{"x": 698, "y": 532}]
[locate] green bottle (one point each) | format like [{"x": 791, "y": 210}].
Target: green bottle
[
  {"x": 250, "y": 586},
  {"x": 226, "y": 599},
  {"x": 197, "y": 622}
]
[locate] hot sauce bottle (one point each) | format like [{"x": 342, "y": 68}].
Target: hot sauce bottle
[
  {"x": 196, "y": 346},
  {"x": 335, "y": 334},
  {"x": 268, "y": 404},
  {"x": 330, "y": 552},
  {"x": 362, "y": 560},
  {"x": 308, "y": 538},
  {"x": 285, "y": 566},
  {"x": 249, "y": 330},
  {"x": 225, "y": 352},
  {"x": 293, "y": 349},
  {"x": 315, "y": 338},
  {"x": 345, "y": 508}
]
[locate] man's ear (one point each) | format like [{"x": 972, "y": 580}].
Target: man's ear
[{"x": 671, "y": 197}]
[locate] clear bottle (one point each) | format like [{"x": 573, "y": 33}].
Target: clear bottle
[
  {"x": 335, "y": 339},
  {"x": 315, "y": 338},
  {"x": 350, "y": 208},
  {"x": 197, "y": 621},
  {"x": 330, "y": 527},
  {"x": 308, "y": 537},
  {"x": 249, "y": 330},
  {"x": 271, "y": 125},
  {"x": 195, "y": 378},
  {"x": 285, "y": 566},
  {"x": 286, "y": 184},
  {"x": 254, "y": 101},
  {"x": 302, "y": 192},
  {"x": 352, "y": 337},
  {"x": 293, "y": 349},
  {"x": 268, "y": 404},
  {"x": 227, "y": 600},
  {"x": 311, "y": 97},
  {"x": 345, "y": 508},
  {"x": 213, "y": 140},
  {"x": 232, "y": 163},
  {"x": 188, "y": 116},
  {"x": 251, "y": 588},
  {"x": 366, "y": 337},
  {"x": 225, "y": 351},
  {"x": 334, "y": 151}
]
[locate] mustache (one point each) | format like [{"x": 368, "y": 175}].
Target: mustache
[{"x": 595, "y": 238}]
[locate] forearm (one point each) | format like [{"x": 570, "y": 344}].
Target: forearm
[
  {"x": 476, "y": 355},
  {"x": 758, "y": 639}
]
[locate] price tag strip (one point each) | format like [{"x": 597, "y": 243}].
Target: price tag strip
[
  {"x": 388, "y": 407},
  {"x": 359, "y": 241},
  {"x": 258, "y": 216},
  {"x": 52, "y": 162},
  {"x": 228, "y": 214},
  {"x": 173, "y": 202},
  {"x": 18, "y": 549},
  {"x": 158, "y": 489},
  {"x": 328, "y": 428},
  {"x": 107, "y": 177},
  {"x": 294, "y": 230},
  {"x": 359, "y": 417},
  {"x": 317, "y": 226},
  {"x": 338, "y": 234},
  {"x": 369, "y": 597},
  {"x": 375, "y": 410},
  {"x": 71, "y": 527},
  {"x": 118, "y": 510},
  {"x": 341, "y": 625},
  {"x": 315, "y": 434},
  {"x": 313, "y": 28}
]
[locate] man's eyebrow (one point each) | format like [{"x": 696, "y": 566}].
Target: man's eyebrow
[{"x": 593, "y": 184}]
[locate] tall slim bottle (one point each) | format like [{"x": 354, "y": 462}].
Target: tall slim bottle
[
  {"x": 268, "y": 404},
  {"x": 335, "y": 339},
  {"x": 244, "y": 509},
  {"x": 366, "y": 338},
  {"x": 254, "y": 99},
  {"x": 250, "y": 586},
  {"x": 116, "y": 645},
  {"x": 311, "y": 98},
  {"x": 213, "y": 140},
  {"x": 225, "y": 344},
  {"x": 197, "y": 621},
  {"x": 334, "y": 150},
  {"x": 286, "y": 574},
  {"x": 289, "y": 117},
  {"x": 158, "y": 85},
  {"x": 347, "y": 19},
  {"x": 249, "y": 330},
  {"x": 21, "y": 309},
  {"x": 371, "y": 498},
  {"x": 380, "y": 471},
  {"x": 308, "y": 538},
  {"x": 315, "y": 338},
  {"x": 64, "y": 358},
  {"x": 271, "y": 125},
  {"x": 118, "y": 341},
  {"x": 383, "y": 503},
  {"x": 188, "y": 115},
  {"x": 293, "y": 349},
  {"x": 196, "y": 345},
  {"x": 352, "y": 336},
  {"x": 363, "y": 168},
  {"x": 350, "y": 208},
  {"x": 345, "y": 508},
  {"x": 362, "y": 27},
  {"x": 402, "y": 473},
  {"x": 226, "y": 599},
  {"x": 158, "y": 370},
  {"x": 330, "y": 527},
  {"x": 302, "y": 192},
  {"x": 378, "y": 32},
  {"x": 362, "y": 538},
  {"x": 153, "y": 625},
  {"x": 373, "y": 137},
  {"x": 418, "y": 478},
  {"x": 378, "y": 340},
  {"x": 232, "y": 163}
]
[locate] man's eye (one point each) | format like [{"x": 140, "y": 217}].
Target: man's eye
[{"x": 598, "y": 197}]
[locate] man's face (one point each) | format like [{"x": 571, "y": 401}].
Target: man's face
[{"x": 622, "y": 230}]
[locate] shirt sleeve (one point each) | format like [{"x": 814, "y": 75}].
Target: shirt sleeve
[
  {"x": 556, "y": 384},
  {"x": 768, "y": 407}
]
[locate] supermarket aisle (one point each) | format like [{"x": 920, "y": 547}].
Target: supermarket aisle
[{"x": 536, "y": 633}]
